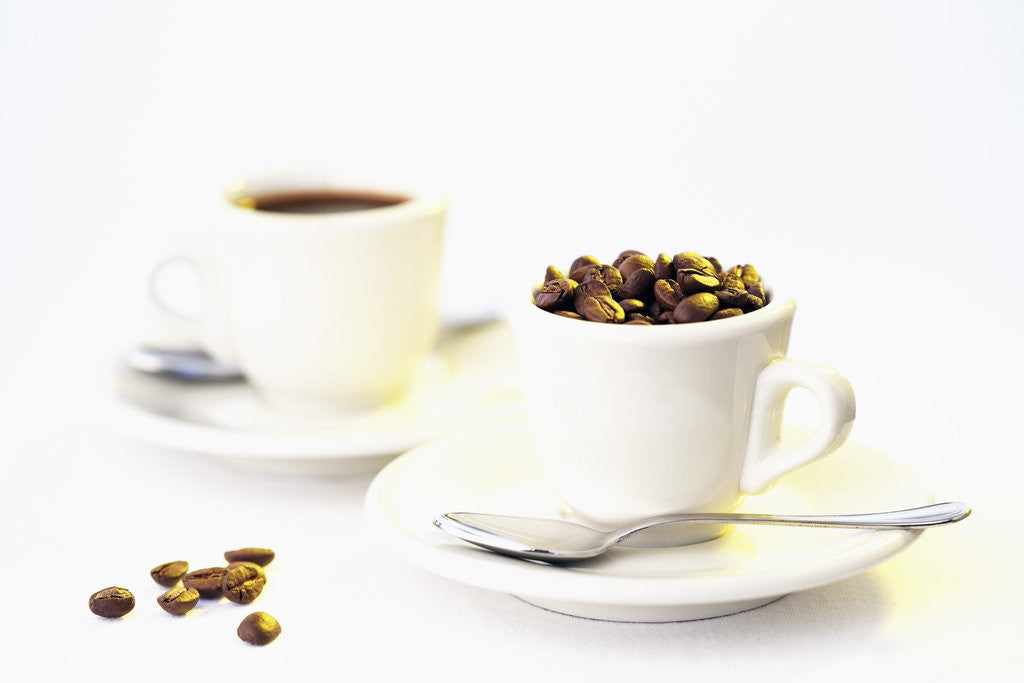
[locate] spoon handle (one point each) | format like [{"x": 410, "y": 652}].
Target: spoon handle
[{"x": 914, "y": 518}]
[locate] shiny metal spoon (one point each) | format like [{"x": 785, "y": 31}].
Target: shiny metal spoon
[{"x": 556, "y": 541}]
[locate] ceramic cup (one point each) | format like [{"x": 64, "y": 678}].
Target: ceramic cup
[
  {"x": 322, "y": 312},
  {"x": 629, "y": 422}
]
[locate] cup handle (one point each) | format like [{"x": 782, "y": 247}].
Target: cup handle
[
  {"x": 206, "y": 331},
  {"x": 767, "y": 459}
]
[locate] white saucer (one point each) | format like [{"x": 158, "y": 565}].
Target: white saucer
[
  {"x": 469, "y": 379},
  {"x": 492, "y": 469}
]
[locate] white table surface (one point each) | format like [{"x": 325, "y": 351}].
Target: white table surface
[{"x": 868, "y": 155}]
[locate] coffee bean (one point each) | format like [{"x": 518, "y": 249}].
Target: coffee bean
[
  {"x": 178, "y": 600},
  {"x": 691, "y": 283},
  {"x": 637, "y": 286},
  {"x": 752, "y": 303},
  {"x": 206, "y": 581},
  {"x": 555, "y": 294},
  {"x": 638, "y": 321},
  {"x": 169, "y": 573},
  {"x": 600, "y": 309},
  {"x": 668, "y": 294},
  {"x": 663, "y": 268},
  {"x": 625, "y": 255},
  {"x": 757, "y": 289},
  {"x": 609, "y": 275},
  {"x": 112, "y": 602},
  {"x": 259, "y": 628},
  {"x": 695, "y": 308},
  {"x": 569, "y": 314},
  {"x": 725, "y": 313},
  {"x": 585, "y": 260},
  {"x": 634, "y": 263},
  {"x": 552, "y": 273},
  {"x": 260, "y": 556},
  {"x": 243, "y": 582},
  {"x": 590, "y": 289},
  {"x": 630, "y": 306}
]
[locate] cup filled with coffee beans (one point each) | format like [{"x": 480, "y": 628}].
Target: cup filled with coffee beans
[
  {"x": 656, "y": 385},
  {"x": 324, "y": 292}
]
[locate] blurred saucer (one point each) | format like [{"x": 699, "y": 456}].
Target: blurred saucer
[
  {"x": 470, "y": 378},
  {"x": 492, "y": 469}
]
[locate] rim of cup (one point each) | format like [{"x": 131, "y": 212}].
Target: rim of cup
[
  {"x": 526, "y": 313},
  {"x": 414, "y": 202}
]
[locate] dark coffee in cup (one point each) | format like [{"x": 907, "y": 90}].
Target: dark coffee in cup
[{"x": 320, "y": 201}]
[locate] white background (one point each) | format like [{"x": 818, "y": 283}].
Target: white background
[{"x": 868, "y": 155}]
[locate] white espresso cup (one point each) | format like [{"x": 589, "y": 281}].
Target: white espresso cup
[
  {"x": 324, "y": 307},
  {"x": 635, "y": 421}
]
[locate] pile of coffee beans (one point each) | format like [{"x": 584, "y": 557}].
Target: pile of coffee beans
[
  {"x": 241, "y": 581},
  {"x": 637, "y": 290}
]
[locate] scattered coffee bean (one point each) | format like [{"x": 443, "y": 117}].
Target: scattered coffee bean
[
  {"x": 260, "y": 556},
  {"x": 637, "y": 285},
  {"x": 243, "y": 582},
  {"x": 206, "y": 581},
  {"x": 112, "y": 602},
  {"x": 169, "y": 573},
  {"x": 259, "y": 628},
  {"x": 178, "y": 600}
]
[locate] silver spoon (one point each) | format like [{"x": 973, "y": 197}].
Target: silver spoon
[{"x": 556, "y": 541}]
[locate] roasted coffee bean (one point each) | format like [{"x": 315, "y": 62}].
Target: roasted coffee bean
[
  {"x": 668, "y": 294},
  {"x": 733, "y": 292},
  {"x": 260, "y": 556},
  {"x": 555, "y": 294},
  {"x": 609, "y": 275},
  {"x": 178, "y": 600},
  {"x": 695, "y": 308},
  {"x": 752, "y": 303},
  {"x": 691, "y": 283},
  {"x": 112, "y": 602},
  {"x": 552, "y": 273},
  {"x": 635, "y": 263},
  {"x": 169, "y": 573},
  {"x": 757, "y": 289},
  {"x": 585, "y": 260},
  {"x": 637, "y": 286},
  {"x": 725, "y": 313},
  {"x": 600, "y": 309},
  {"x": 663, "y": 268},
  {"x": 589, "y": 290},
  {"x": 243, "y": 582},
  {"x": 259, "y": 628},
  {"x": 206, "y": 581},
  {"x": 692, "y": 262},
  {"x": 638, "y": 321},
  {"x": 625, "y": 255},
  {"x": 749, "y": 275},
  {"x": 630, "y": 306},
  {"x": 653, "y": 288}
]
